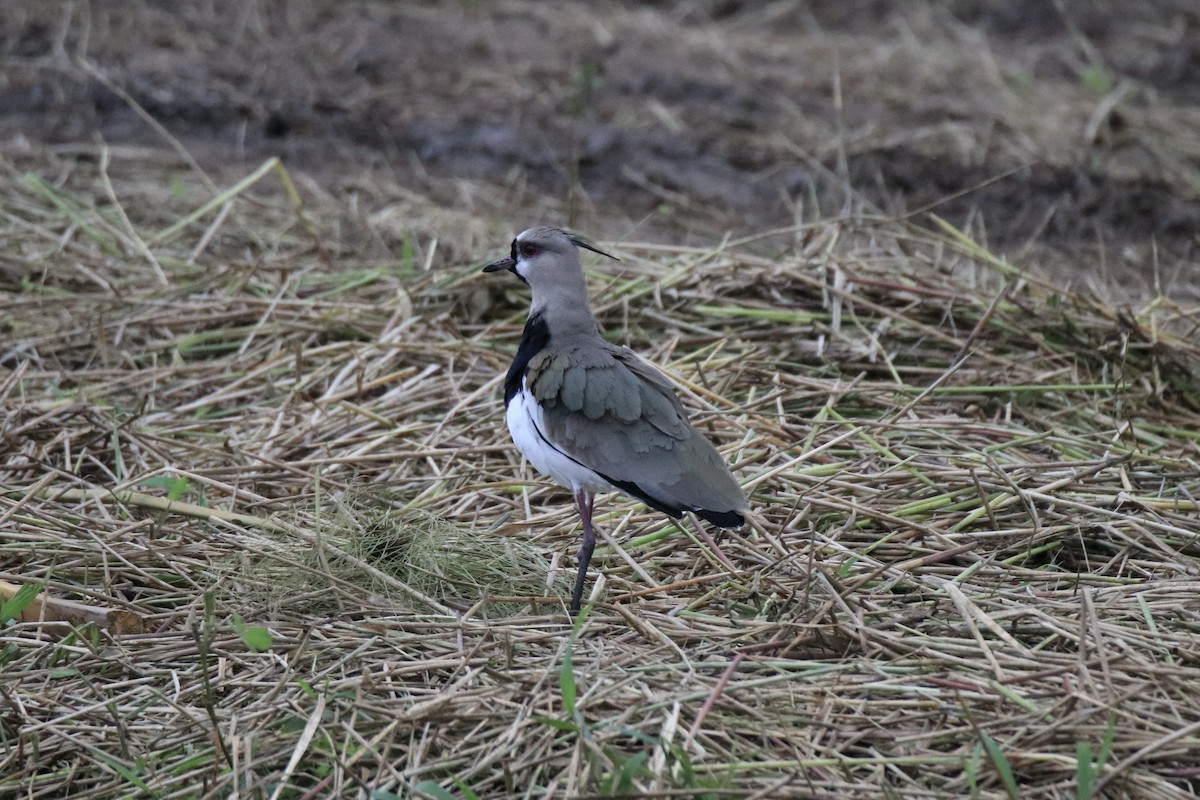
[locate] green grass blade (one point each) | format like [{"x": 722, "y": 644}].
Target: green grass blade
[
  {"x": 624, "y": 782},
  {"x": 566, "y": 680},
  {"x": 432, "y": 789},
  {"x": 1084, "y": 771},
  {"x": 1000, "y": 762},
  {"x": 14, "y": 606},
  {"x": 467, "y": 792},
  {"x": 166, "y": 234}
]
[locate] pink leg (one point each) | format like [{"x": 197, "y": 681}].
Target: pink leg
[{"x": 584, "y": 502}]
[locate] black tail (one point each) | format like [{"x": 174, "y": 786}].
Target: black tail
[{"x": 722, "y": 519}]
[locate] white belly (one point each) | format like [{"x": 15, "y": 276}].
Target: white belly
[{"x": 524, "y": 417}]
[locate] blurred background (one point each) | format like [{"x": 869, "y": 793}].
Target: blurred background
[{"x": 1062, "y": 134}]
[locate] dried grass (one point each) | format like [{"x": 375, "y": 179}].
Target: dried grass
[{"x": 973, "y": 564}]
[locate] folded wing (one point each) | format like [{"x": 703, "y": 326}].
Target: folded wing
[{"x": 618, "y": 416}]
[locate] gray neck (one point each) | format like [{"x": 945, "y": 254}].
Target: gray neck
[{"x": 564, "y": 307}]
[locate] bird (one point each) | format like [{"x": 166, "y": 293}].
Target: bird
[{"x": 594, "y": 416}]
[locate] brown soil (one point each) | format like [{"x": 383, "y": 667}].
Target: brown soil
[{"x": 1063, "y": 135}]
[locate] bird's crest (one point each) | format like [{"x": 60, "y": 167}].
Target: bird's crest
[{"x": 579, "y": 241}]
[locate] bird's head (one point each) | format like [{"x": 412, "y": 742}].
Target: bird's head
[{"x": 545, "y": 257}]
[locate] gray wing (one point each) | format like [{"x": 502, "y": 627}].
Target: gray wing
[{"x": 617, "y": 415}]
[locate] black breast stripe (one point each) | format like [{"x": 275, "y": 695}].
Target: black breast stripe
[{"x": 533, "y": 341}]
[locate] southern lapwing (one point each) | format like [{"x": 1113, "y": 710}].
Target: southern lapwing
[{"x": 593, "y": 416}]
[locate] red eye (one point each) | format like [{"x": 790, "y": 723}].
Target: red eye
[{"x": 529, "y": 250}]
